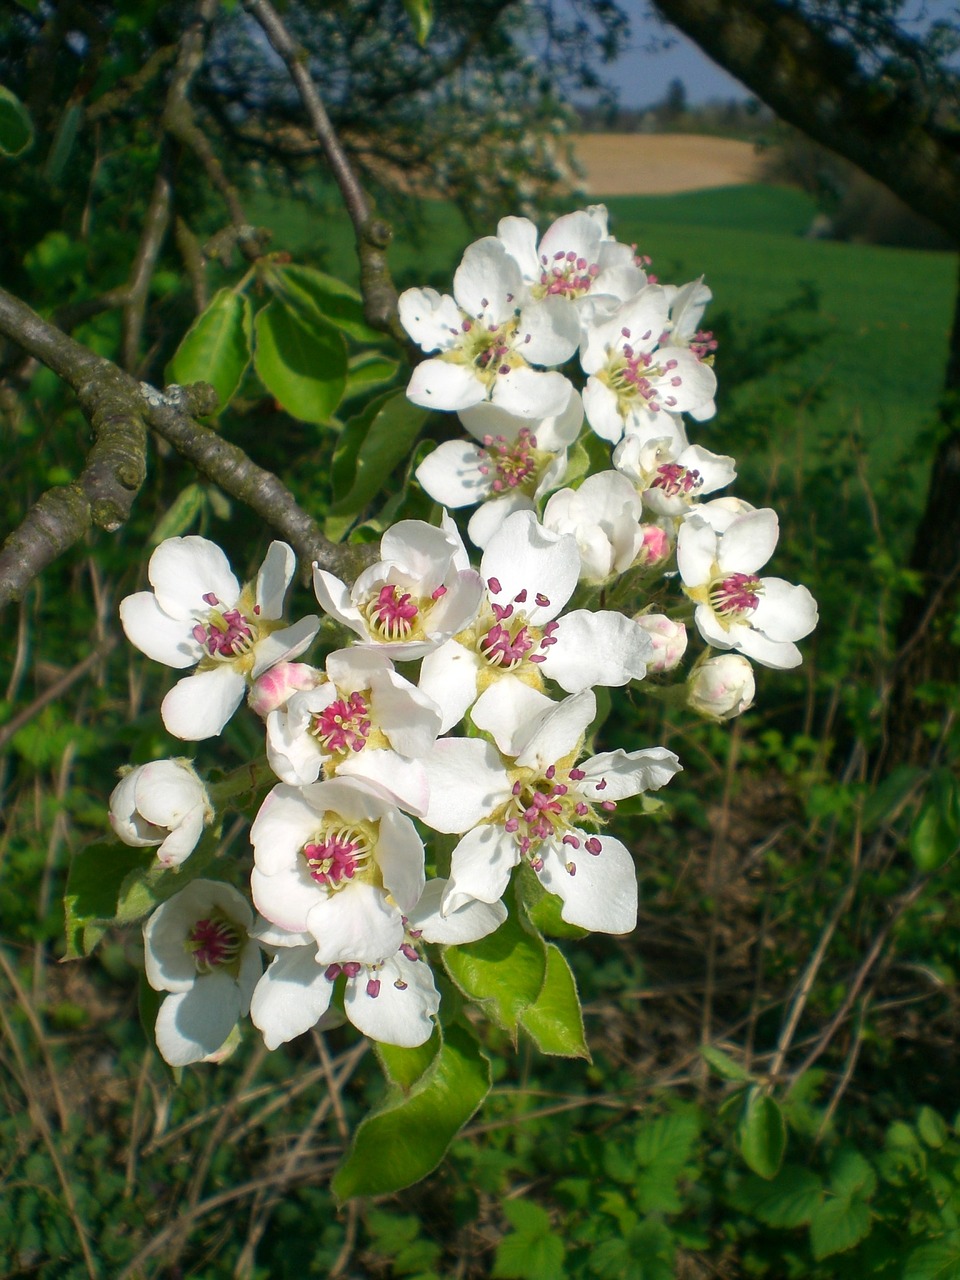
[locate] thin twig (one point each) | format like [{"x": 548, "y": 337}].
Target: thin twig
[
  {"x": 373, "y": 235},
  {"x": 55, "y": 691}
]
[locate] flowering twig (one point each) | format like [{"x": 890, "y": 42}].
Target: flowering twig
[{"x": 373, "y": 234}]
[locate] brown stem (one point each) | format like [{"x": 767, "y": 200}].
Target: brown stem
[
  {"x": 155, "y": 224},
  {"x": 373, "y": 234}
]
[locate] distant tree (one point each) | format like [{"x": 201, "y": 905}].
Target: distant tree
[
  {"x": 852, "y": 76},
  {"x": 675, "y": 100}
]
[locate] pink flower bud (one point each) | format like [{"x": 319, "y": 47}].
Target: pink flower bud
[
  {"x": 274, "y": 687},
  {"x": 656, "y": 545},
  {"x": 669, "y": 640},
  {"x": 721, "y": 687}
]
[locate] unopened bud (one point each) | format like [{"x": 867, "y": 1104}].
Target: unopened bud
[
  {"x": 274, "y": 688},
  {"x": 669, "y": 640},
  {"x": 656, "y": 546},
  {"x": 722, "y": 687}
]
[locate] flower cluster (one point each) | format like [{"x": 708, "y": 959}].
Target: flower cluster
[{"x": 484, "y": 732}]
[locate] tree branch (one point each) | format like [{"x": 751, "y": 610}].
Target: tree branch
[
  {"x": 373, "y": 234},
  {"x": 815, "y": 83},
  {"x": 118, "y": 409}
]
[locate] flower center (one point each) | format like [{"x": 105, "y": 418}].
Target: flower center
[
  {"x": 489, "y": 348},
  {"x": 507, "y": 639},
  {"x": 676, "y": 481},
  {"x": 566, "y": 274},
  {"x": 552, "y": 806},
  {"x": 339, "y": 854},
  {"x": 736, "y": 596},
  {"x": 215, "y": 943},
  {"x": 515, "y": 464},
  {"x": 344, "y": 725},
  {"x": 635, "y": 375},
  {"x": 225, "y": 633}
]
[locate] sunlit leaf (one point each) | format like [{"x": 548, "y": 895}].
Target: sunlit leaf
[
  {"x": 407, "y": 1137},
  {"x": 555, "y": 1021},
  {"x": 216, "y": 347},
  {"x": 301, "y": 360}
]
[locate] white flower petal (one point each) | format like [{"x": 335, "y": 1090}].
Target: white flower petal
[
  {"x": 283, "y": 645},
  {"x": 291, "y": 997},
  {"x": 749, "y": 542},
  {"x": 430, "y": 318},
  {"x": 452, "y": 474},
  {"x": 614, "y": 775},
  {"x": 603, "y": 648},
  {"x": 401, "y": 1010},
  {"x": 199, "y": 706},
  {"x": 523, "y": 556},
  {"x": 467, "y": 782},
  {"x": 557, "y": 731},
  {"x": 601, "y": 894},
  {"x": 480, "y": 867},
  {"x": 507, "y": 709},
  {"x": 444, "y": 384},
  {"x": 193, "y": 1024},
  {"x": 519, "y": 238},
  {"x": 468, "y": 923},
  {"x": 488, "y": 282},
  {"x": 155, "y": 633},
  {"x": 358, "y": 923},
  {"x": 276, "y": 574},
  {"x": 549, "y": 333},
  {"x": 785, "y": 611},
  {"x": 448, "y": 676},
  {"x": 183, "y": 570},
  {"x": 488, "y": 518},
  {"x": 404, "y": 781},
  {"x": 410, "y": 718},
  {"x": 528, "y": 393}
]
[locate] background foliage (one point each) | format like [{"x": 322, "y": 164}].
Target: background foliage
[{"x": 771, "y": 1083}]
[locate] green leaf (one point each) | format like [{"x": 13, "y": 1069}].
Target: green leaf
[
  {"x": 789, "y": 1200},
  {"x": 318, "y": 296},
  {"x": 531, "y": 1251},
  {"x": 667, "y": 1141},
  {"x": 725, "y": 1066},
  {"x": 761, "y": 1133},
  {"x": 183, "y": 511},
  {"x": 932, "y": 1127},
  {"x": 852, "y": 1174},
  {"x": 216, "y": 347},
  {"x": 369, "y": 369},
  {"x": 389, "y": 438},
  {"x": 94, "y": 883},
  {"x": 406, "y": 1138},
  {"x": 939, "y": 1260},
  {"x": 404, "y": 1067},
  {"x": 504, "y": 972},
  {"x": 837, "y": 1225},
  {"x": 301, "y": 360},
  {"x": 420, "y": 13},
  {"x": 555, "y": 1021},
  {"x": 16, "y": 127},
  {"x": 935, "y": 835}
]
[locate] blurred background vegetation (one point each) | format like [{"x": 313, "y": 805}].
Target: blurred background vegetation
[{"x": 799, "y": 933}]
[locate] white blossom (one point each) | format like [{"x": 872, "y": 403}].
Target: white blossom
[
  {"x": 737, "y": 609},
  {"x": 197, "y": 615},
  {"x": 197, "y": 947}
]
